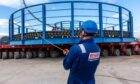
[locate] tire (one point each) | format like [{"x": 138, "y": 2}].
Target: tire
[
  {"x": 117, "y": 52},
  {"x": 34, "y": 54},
  {"x": 16, "y": 55},
  {"x": 139, "y": 52},
  {"x": 29, "y": 55},
  {"x": 134, "y": 53},
  {"x": 47, "y": 54},
  {"x": 22, "y": 54},
  {"x": 4, "y": 55},
  {"x": 11, "y": 55},
  {"x": 41, "y": 54},
  {"x": 105, "y": 53},
  {"x": 128, "y": 52},
  {"x": 0, "y": 55},
  {"x": 54, "y": 54}
]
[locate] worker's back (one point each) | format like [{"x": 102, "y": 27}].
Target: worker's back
[{"x": 85, "y": 64}]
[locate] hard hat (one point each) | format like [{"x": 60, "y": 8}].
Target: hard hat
[{"x": 90, "y": 27}]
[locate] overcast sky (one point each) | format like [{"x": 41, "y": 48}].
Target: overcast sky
[{"x": 9, "y": 6}]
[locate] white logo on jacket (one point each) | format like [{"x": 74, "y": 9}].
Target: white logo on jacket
[{"x": 94, "y": 56}]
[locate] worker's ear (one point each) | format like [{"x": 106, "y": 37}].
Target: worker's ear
[
  {"x": 84, "y": 33},
  {"x": 81, "y": 34}
]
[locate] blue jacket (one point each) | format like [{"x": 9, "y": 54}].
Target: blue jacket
[{"x": 82, "y": 62}]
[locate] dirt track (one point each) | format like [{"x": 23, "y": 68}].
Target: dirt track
[{"x": 112, "y": 70}]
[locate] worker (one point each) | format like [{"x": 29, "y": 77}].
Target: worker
[{"x": 83, "y": 59}]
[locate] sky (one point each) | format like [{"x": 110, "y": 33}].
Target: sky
[{"x": 7, "y": 7}]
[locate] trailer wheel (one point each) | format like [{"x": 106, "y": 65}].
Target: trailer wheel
[
  {"x": 34, "y": 54},
  {"x": 139, "y": 52},
  {"x": 11, "y": 55},
  {"x": 128, "y": 52},
  {"x": 105, "y": 53},
  {"x": 41, "y": 54},
  {"x": 29, "y": 55},
  {"x": 54, "y": 54},
  {"x": 22, "y": 53},
  {"x": 134, "y": 53},
  {"x": 16, "y": 55},
  {"x": 4, "y": 55},
  {"x": 117, "y": 52},
  {"x": 0, "y": 55},
  {"x": 47, "y": 54}
]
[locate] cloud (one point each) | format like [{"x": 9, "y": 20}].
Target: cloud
[
  {"x": 137, "y": 35},
  {"x": 9, "y": 3},
  {"x": 3, "y": 23},
  {"x": 19, "y": 3},
  {"x": 137, "y": 31},
  {"x": 4, "y": 27},
  {"x": 36, "y": 1},
  {"x": 110, "y": 1},
  {"x": 117, "y": 16},
  {"x": 3, "y": 34}
]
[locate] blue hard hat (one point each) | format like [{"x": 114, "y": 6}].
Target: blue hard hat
[{"x": 90, "y": 27}]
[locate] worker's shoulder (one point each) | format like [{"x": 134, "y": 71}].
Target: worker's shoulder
[
  {"x": 96, "y": 46},
  {"x": 75, "y": 46}
]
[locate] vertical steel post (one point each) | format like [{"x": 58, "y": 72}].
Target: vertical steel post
[
  {"x": 131, "y": 24},
  {"x": 120, "y": 22},
  {"x": 113, "y": 28},
  {"x": 61, "y": 25},
  {"x": 79, "y": 24},
  {"x": 55, "y": 25},
  {"x": 18, "y": 29},
  {"x": 22, "y": 25},
  {"x": 72, "y": 19},
  {"x": 11, "y": 27},
  {"x": 26, "y": 30},
  {"x": 128, "y": 26},
  {"x": 132, "y": 32},
  {"x": 101, "y": 20},
  {"x": 43, "y": 22}
]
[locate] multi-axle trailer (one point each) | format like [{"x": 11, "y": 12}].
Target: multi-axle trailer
[{"x": 46, "y": 29}]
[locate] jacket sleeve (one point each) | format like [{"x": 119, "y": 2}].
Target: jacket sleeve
[{"x": 70, "y": 58}]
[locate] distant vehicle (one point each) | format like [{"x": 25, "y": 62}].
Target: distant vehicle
[{"x": 4, "y": 40}]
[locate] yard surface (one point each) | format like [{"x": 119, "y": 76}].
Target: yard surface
[{"x": 112, "y": 70}]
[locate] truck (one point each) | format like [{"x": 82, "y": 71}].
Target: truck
[{"x": 46, "y": 29}]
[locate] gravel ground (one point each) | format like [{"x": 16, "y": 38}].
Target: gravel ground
[{"x": 112, "y": 70}]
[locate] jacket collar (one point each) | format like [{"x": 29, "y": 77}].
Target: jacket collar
[{"x": 91, "y": 40}]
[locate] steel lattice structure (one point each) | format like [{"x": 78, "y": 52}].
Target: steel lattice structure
[{"x": 61, "y": 22}]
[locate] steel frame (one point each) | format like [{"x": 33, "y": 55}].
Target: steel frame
[{"x": 72, "y": 40}]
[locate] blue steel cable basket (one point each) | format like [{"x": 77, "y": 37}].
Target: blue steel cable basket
[{"x": 61, "y": 22}]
